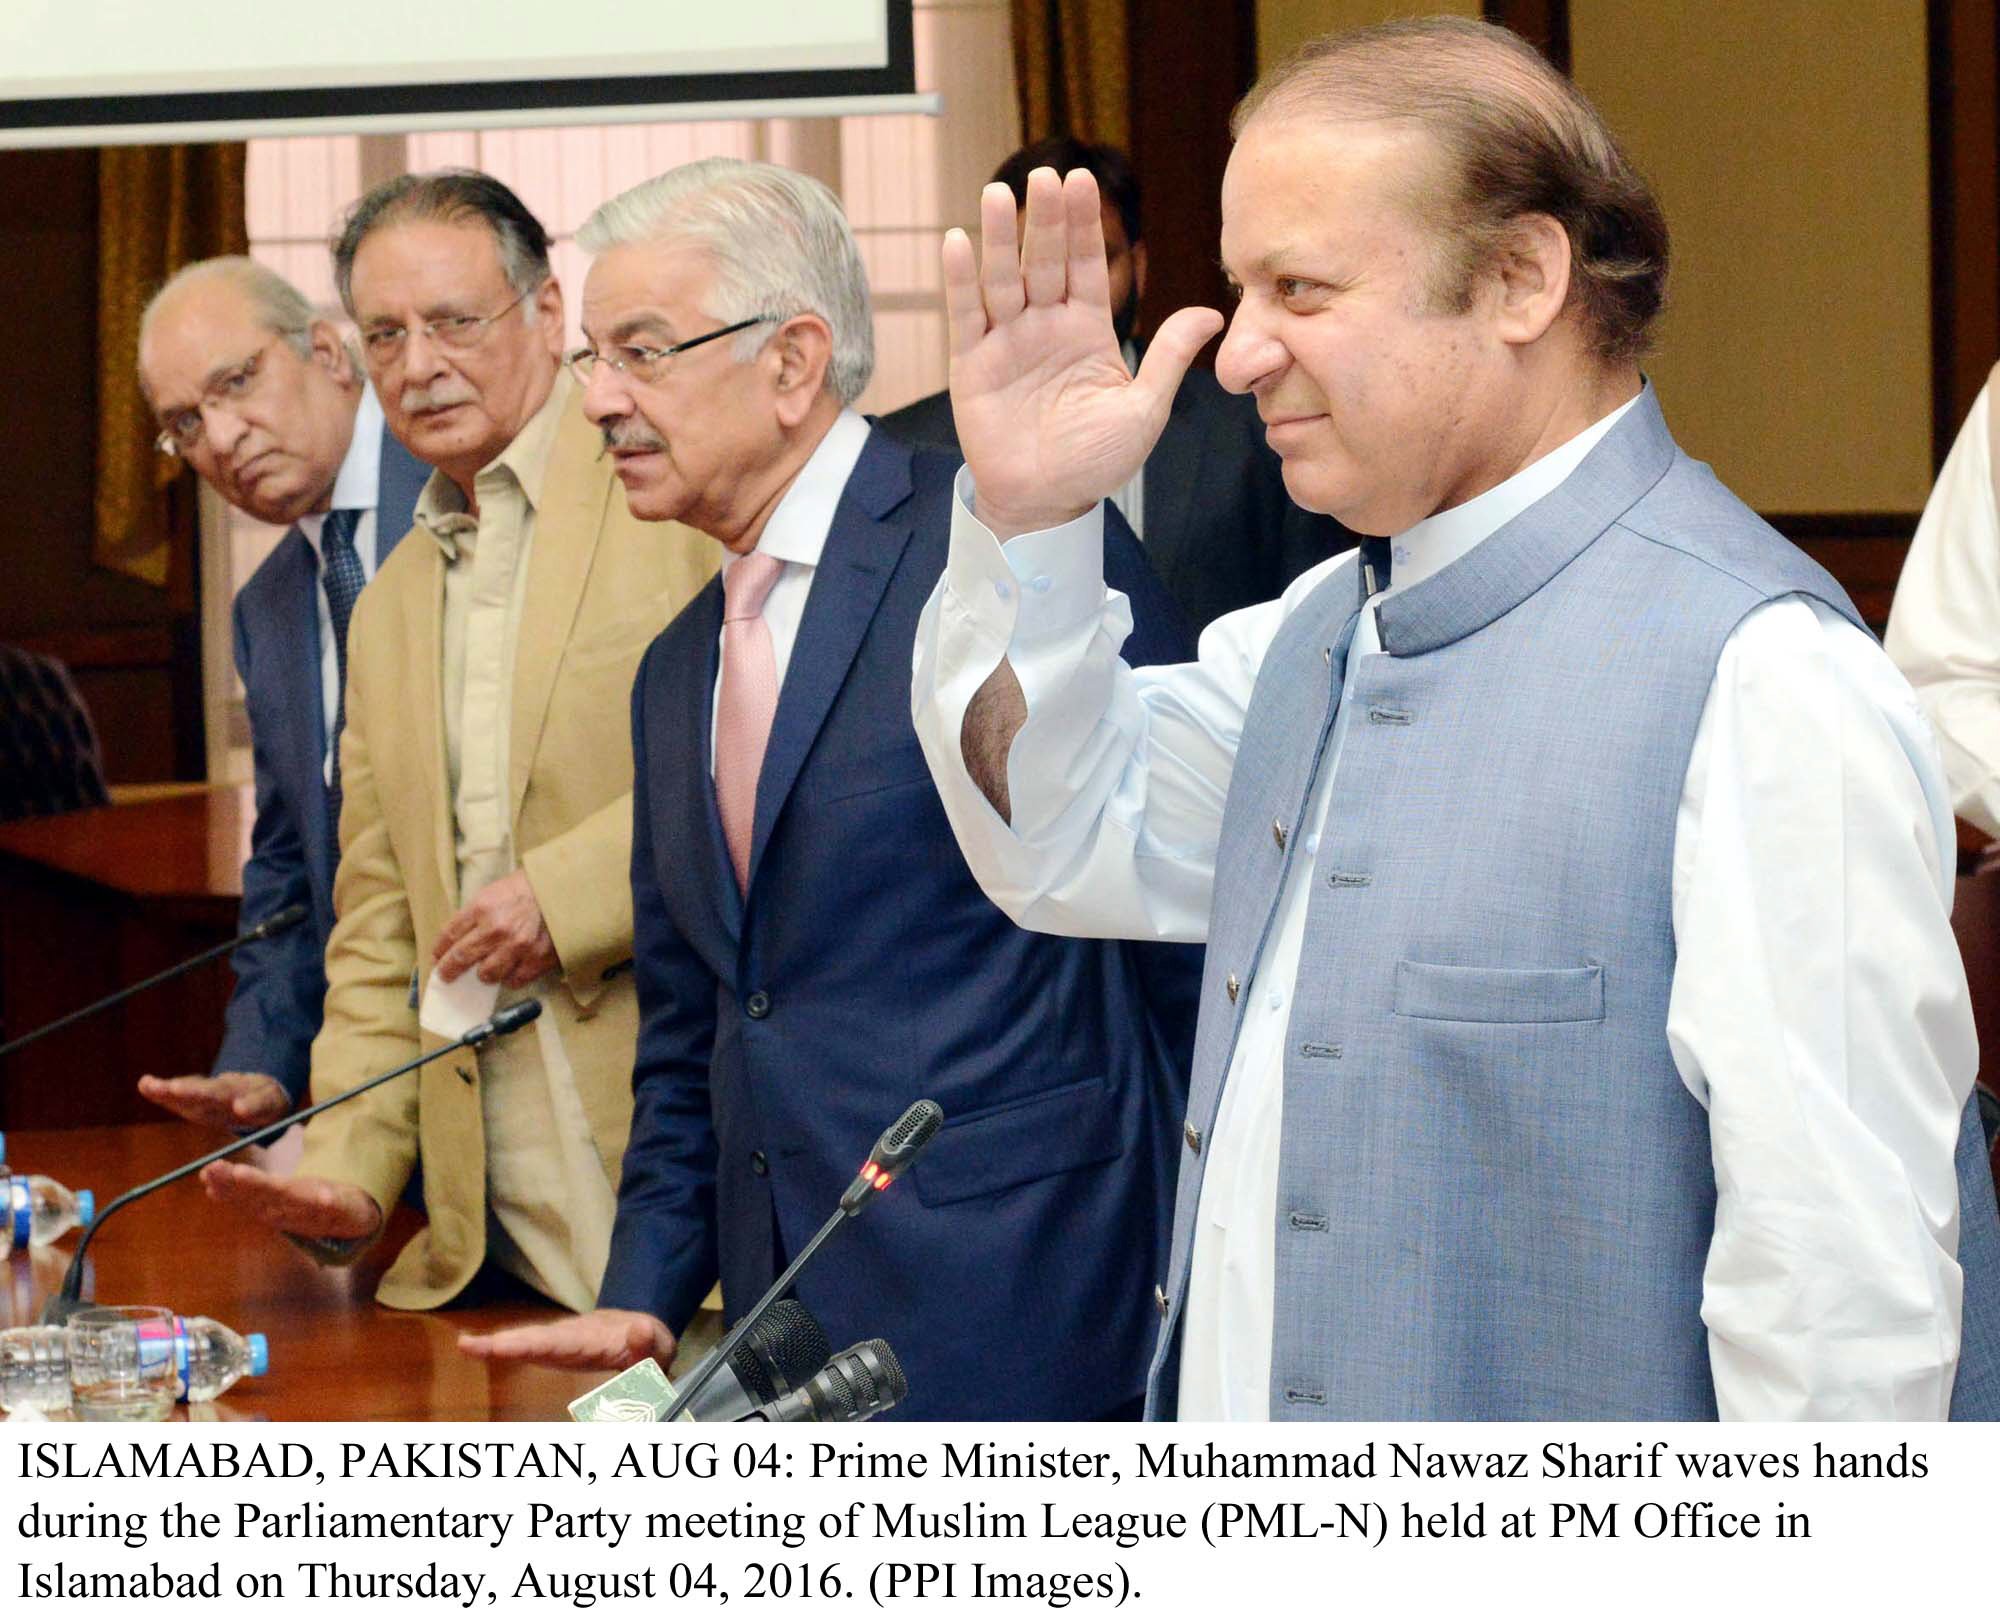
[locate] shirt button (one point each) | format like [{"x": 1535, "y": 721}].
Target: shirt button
[
  {"x": 1276, "y": 998},
  {"x": 1232, "y": 985},
  {"x": 1039, "y": 584},
  {"x": 757, "y": 1004},
  {"x": 1002, "y": 590},
  {"x": 1312, "y": 844},
  {"x": 759, "y": 1164}
]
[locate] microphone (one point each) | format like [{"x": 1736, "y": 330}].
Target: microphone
[
  {"x": 68, "y": 1300},
  {"x": 786, "y": 1347},
  {"x": 280, "y": 921},
  {"x": 859, "y": 1383},
  {"x": 894, "y": 1153}
]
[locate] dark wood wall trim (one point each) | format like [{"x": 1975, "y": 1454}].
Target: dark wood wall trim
[
  {"x": 1542, "y": 23},
  {"x": 1964, "y": 51},
  {"x": 130, "y": 647},
  {"x": 1186, "y": 77},
  {"x": 1863, "y": 551}
]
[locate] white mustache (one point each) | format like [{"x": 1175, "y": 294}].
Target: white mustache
[{"x": 437, "y": 398}]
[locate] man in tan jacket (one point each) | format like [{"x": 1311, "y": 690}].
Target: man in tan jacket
[{"x": 485, "y": 774}]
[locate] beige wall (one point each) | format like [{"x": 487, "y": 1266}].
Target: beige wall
[
  {"x": 1283, "y": 25},
  {"x": 1789, "y": 143}
]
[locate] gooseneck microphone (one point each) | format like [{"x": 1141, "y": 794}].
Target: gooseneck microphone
[
  {"x": 68, "y": 1300},
  {"x": 894, "y": 1153},
  {"x": 784, "y": 1350},
  {"x": 287, "y": 918},
  {"x": 859, "y": 1383}
]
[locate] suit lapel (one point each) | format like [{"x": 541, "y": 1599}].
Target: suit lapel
[
  {"x": 682, "y": 793},
  {"x": 423, "y": 635},
  {"x": 863, "y": 546},
  {"x": 576, "y": 493},
  {"x": 301, "y": 702}
]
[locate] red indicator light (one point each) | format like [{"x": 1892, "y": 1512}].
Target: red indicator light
[{"x": 881, "y": 1179}]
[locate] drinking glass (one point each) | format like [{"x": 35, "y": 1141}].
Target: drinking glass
[{"x": 121, "y": 1363}]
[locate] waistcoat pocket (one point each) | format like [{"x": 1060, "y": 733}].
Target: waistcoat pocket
[{"x": 1452, "y": 991}]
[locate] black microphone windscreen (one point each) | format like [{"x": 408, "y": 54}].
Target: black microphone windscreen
[
  {"x": 282, "y": 920},
  {"x": 512, "y": 1019},
  {"x": 908, "y": 1138},
  {"x": 782, "y": 1350}
]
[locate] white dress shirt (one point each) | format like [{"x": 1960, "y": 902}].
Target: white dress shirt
[
  {"x": 358, "y": 485},
  {"x": 796, "y": 533},
  {"x": 1818, "y": 1010},
  {"x": 1944, "y": 628}
]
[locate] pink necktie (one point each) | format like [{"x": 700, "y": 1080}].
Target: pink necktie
[{"x": 748, "y": 700}]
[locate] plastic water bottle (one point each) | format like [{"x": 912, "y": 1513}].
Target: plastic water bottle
[
  {"x": 213, "y": 1358},
  {"x": 209, "y": 1358},
  {"x": 40, "y": 1210}
]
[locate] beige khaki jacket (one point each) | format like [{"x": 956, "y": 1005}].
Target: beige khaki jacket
[{"x": 601, "y": 585}]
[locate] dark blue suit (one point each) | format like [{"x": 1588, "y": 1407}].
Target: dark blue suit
[
  {"x": 780, "y": 1033},
  {"x": 274, "y": 1012}
]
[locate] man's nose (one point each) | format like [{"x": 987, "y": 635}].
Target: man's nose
[
  {"x": 606, "y": 396},
  {"x": 1249, "y": 354}
]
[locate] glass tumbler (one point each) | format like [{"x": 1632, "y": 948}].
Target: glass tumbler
[{"x": 121, "y": 1363}]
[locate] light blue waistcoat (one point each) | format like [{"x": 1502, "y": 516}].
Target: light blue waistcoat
[{"x": 1495, "y": 1195}]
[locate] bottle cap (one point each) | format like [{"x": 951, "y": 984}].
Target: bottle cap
[
  {"x": 260, "y": 1353},
  {"x": 86, "y": 1206}
]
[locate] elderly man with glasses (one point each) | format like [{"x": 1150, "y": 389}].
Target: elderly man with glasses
[
  {"x": 486, "y": 774},
  {"x": 811, "y": 951},
  {"x": 267, "y": 405}
]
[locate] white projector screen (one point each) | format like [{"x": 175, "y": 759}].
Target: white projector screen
[{"x": 97, "y": 72}]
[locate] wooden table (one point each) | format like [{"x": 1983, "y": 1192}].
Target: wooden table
[
  {"x": 95, "y": 900},
  {"x": 335, "y": 1354}
]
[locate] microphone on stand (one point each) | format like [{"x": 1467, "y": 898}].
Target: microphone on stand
[
  {"x": 784, "y": 1350},
  {"x": 859, "y": 1383},
  {"x": 894, "y": 1153},
  {"x": 276, "y": 924},
  {"x": 67, "y": 1300}
]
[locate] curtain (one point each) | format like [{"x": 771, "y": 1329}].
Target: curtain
[
  {"x": 158, "y": 208},
  {"x": 1071, "y": 71}
]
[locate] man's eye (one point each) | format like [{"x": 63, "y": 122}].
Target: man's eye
[
  {"x": 382, "y": 337},
  {"x": 236, "y": 383},
  {"x": 456, "y": 324},
  {"x": 185, "y": 426}
]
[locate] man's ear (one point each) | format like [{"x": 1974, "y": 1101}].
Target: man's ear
[
  {"x": 1531, "y": 272},
  {"x": 549, "y": 313},
  {"x": 802, "y": 351},
  {"x": 331, "y": 351}
]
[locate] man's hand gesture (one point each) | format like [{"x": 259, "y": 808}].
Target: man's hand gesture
[
  {"x": 1048, "y": 417},
  {"x": 607, "y": 1339}
]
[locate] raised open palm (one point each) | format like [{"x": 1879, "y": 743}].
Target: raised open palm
[{"x": 1049, "y": 419}]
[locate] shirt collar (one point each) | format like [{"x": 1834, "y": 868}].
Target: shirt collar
[
  {"x": 796, "y": 531},
  {"x": 1426, "y": 547},
  {"x": 358, "y": 484},
  {"x": 441, "y": 508}
]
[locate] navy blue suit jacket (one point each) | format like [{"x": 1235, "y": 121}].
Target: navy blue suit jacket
[
  {"x": 274, "y": 1012},
  {"x": 780, "y": 1033}
]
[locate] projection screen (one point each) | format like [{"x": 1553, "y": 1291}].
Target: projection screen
[{"x": 108, "y": 72}]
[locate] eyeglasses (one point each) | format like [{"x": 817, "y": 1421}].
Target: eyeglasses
[
  {"x": 644, "y": 364},
  {"x": 454, "y": 333},
  {"x": 181, "y": 434}
]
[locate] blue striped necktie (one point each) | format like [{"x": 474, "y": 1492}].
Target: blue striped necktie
[{"x": 341, "y": 573}]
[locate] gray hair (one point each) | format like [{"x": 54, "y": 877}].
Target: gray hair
[
  {"x": 277, "y": 305},
  {"x": 447, "y": 197},
  {"x": 780, "y": 244}
]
